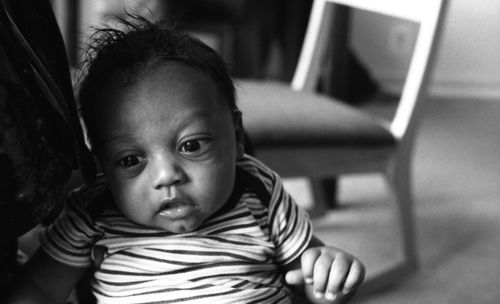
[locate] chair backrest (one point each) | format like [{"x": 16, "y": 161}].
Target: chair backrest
[{"x": 427, "y": 13}]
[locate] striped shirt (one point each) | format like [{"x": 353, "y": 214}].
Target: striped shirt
[{"x": 234, "y": 257}]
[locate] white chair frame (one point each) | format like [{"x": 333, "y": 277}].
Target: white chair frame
[
  {"x": 429, "y": 15},
  {"x": 394, "y": 162}
]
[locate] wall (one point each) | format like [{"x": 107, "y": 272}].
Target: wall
[{"x": 467, "y": 63}]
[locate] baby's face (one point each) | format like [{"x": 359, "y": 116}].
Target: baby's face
[{"x": 168, "y": 146}]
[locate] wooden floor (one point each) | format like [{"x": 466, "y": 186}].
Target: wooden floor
[{"x": 457, "y": 189}]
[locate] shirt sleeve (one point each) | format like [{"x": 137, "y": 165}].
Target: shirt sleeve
[
  {"x": 70, "y": 238},
  {"x": 291, "y": 228}
]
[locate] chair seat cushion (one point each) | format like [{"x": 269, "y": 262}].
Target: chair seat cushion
[{"x": 276, "y": 115}]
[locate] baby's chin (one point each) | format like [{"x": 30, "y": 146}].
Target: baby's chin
[{"x": 179, "y": 227}]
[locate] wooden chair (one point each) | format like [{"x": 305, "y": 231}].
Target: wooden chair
[{"x": 300, "y": 133}]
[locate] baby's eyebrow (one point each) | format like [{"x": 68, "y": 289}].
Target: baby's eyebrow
[
  {"x": 117, "y": 138},
  {"x": 121, "y": 138},
  {"x": 196, "y": 115}
]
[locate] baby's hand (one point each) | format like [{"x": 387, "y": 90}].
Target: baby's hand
[{"x": 332, "y": 273}]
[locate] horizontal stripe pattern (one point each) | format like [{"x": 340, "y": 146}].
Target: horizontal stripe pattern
[{"x": 232, "y": 258}]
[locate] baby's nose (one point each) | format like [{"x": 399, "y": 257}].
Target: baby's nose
[{"x": 168, "y": 172}]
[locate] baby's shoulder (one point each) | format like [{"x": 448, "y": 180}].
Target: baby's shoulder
[
  {"x": 256, "y": 177},
  {"x": 255, "y": 168}
]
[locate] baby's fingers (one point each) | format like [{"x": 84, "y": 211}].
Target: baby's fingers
[
  {"x": 309, "y": 260},
  {"x": 345, "y": 277},
  {"x": 338, "y": 274},
  {"x": 294, "y": 277},
  {"x": 355, "y": 277}
]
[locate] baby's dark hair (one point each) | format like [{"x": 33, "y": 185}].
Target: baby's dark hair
[{"x": 136, "y": 45}]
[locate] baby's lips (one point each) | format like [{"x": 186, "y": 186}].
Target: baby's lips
[
  {"x": 176, "y": 208},
  {"x": 171, "y": 203}
]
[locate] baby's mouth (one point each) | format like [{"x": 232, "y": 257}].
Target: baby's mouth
[{"x": 176, "y": 208}]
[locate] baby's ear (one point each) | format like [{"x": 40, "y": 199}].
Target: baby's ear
[{"x": 239, "y": 133}]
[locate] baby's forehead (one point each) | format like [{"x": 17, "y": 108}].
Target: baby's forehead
[
  {"x": 174, "y": 71},
  {"x": 162, "y": 82}
]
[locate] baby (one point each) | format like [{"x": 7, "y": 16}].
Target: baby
[{"x": 181, "y": 213}]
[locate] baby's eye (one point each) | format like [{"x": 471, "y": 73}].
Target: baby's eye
[
  {"x": 194, "y": 147},
  {"x": 129, "y": 161},
  {"x": 190, "y": 146}
]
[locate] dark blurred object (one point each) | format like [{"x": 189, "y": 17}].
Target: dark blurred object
[
  {"x": 243, "y": 28},
  {"x": 247, "y": 30},
  {"x": 344, "y": 76},
  {"x": 41, "y": 141}
]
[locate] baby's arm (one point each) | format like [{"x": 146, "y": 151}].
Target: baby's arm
[
  {"x": 44, "y": 280},
  {"x": 330, "y": 274}
]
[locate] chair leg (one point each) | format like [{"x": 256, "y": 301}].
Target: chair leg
[
  {"x": 329, "y": 191},
  {"x": 399, "y": 178},
  {"x": 324, "y": 192}
]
